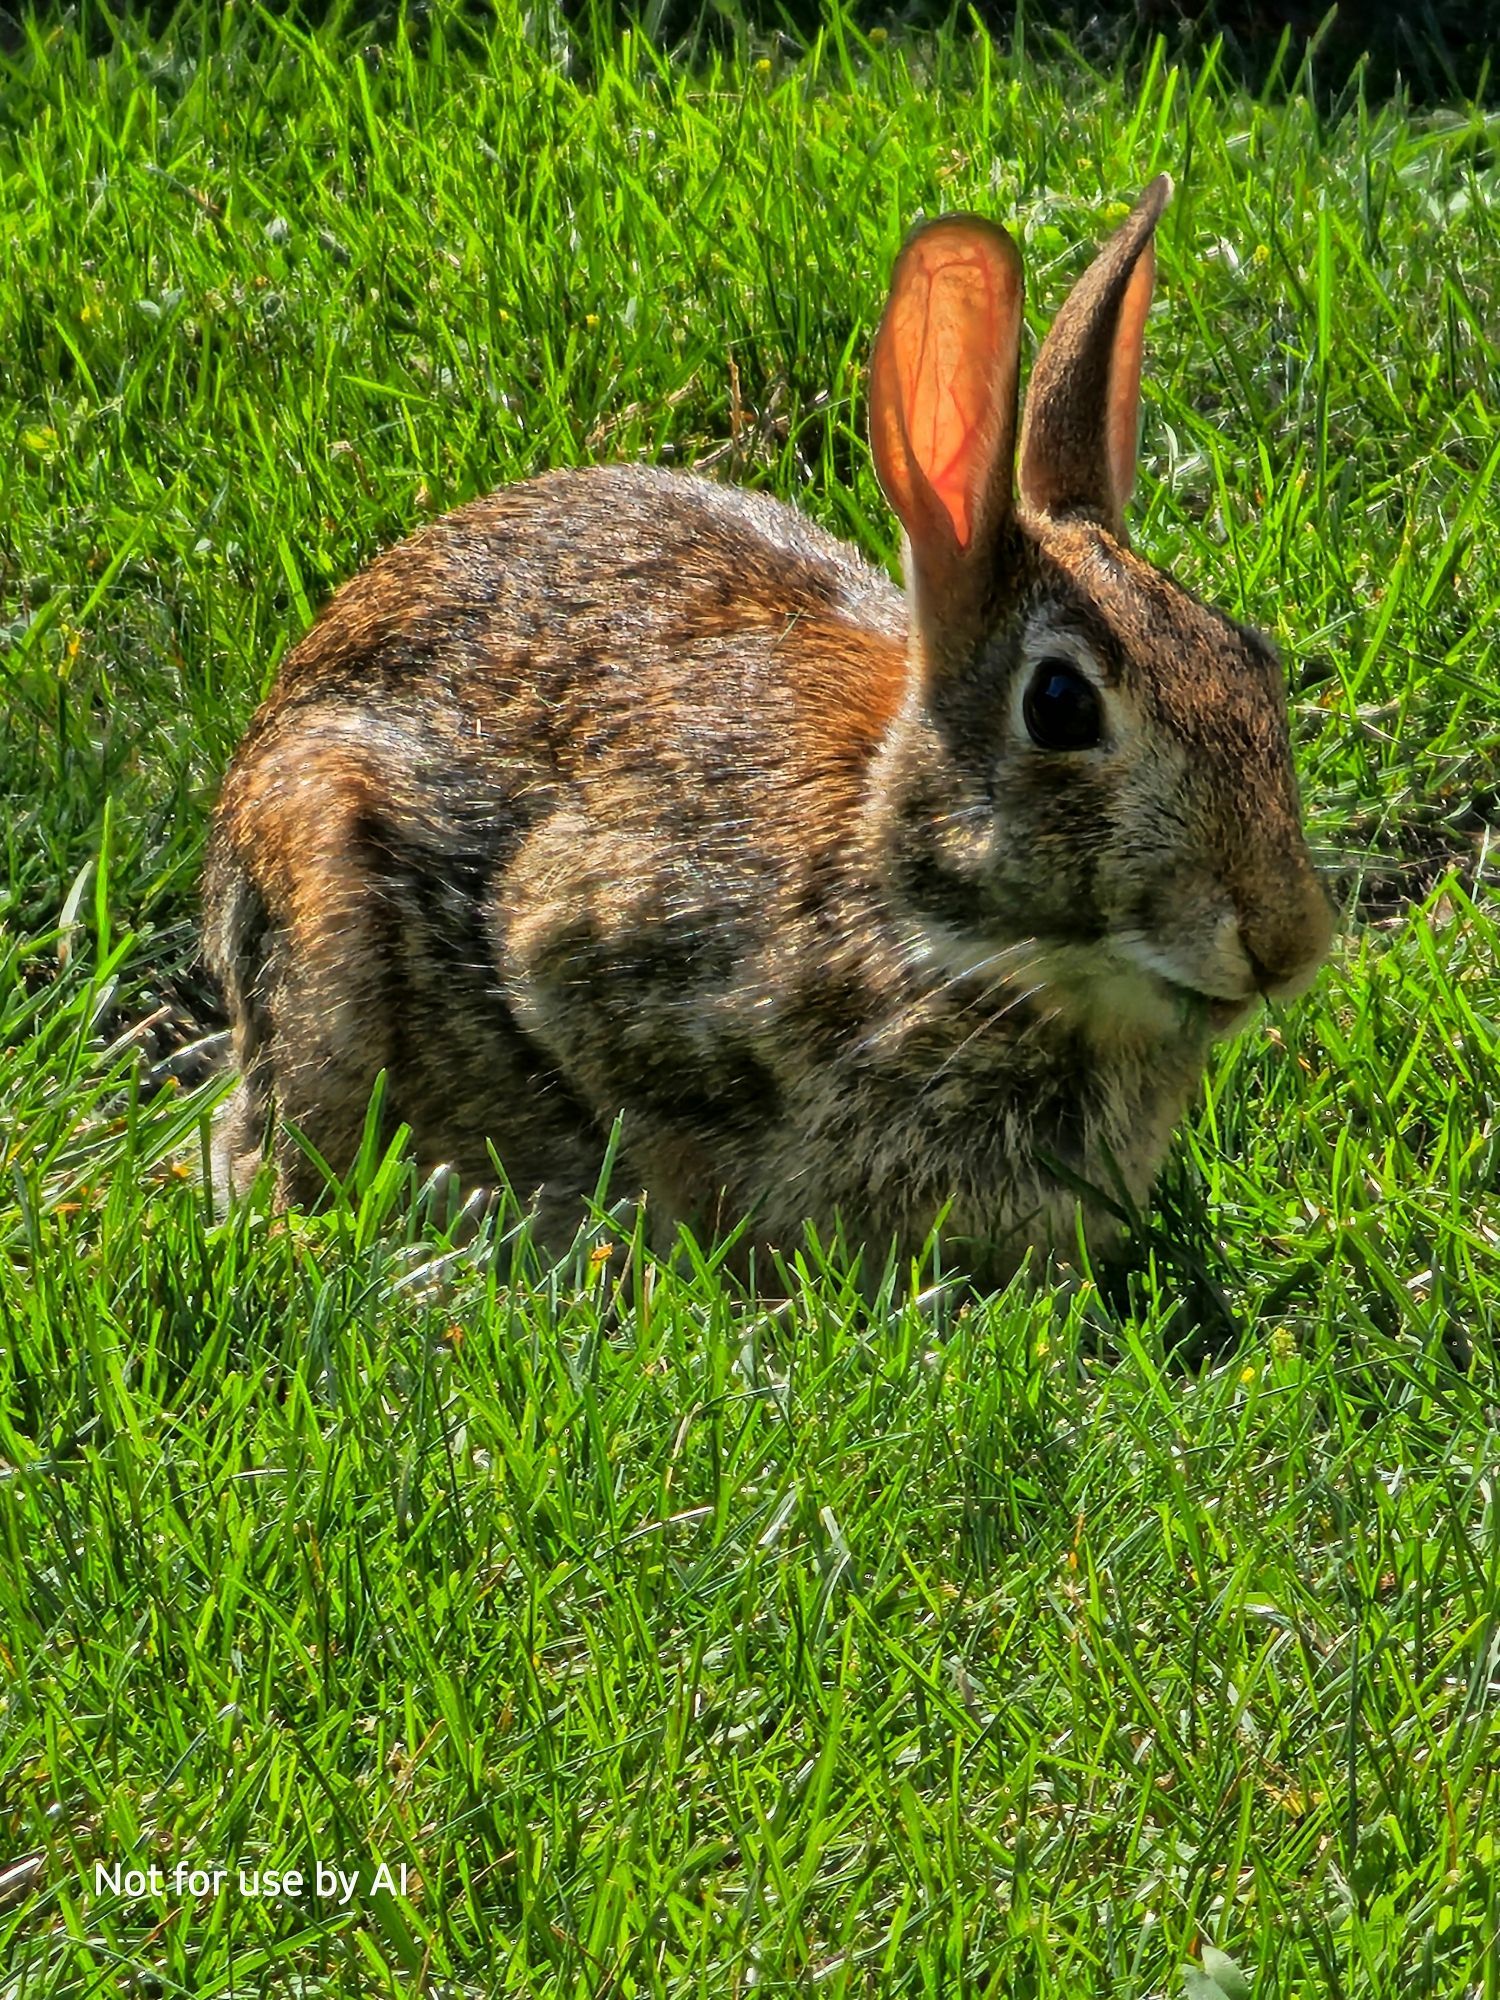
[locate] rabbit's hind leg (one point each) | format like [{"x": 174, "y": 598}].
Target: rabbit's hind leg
[
  {"x": 311, "y": 1035},
  {"x": 348, "y": 919},
  {"x": 475, "y": 1087},
  {"x": 295, "y": 933}
]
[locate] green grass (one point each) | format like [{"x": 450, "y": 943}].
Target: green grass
[{"x": 679, "y": 1644}]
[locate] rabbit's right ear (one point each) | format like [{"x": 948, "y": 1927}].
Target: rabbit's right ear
[
  {"x": 943, "y": 378},
  {"x": 1083, "y": 403}
]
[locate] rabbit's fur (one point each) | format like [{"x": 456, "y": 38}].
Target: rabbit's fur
[{"x": 622, "y": 792}]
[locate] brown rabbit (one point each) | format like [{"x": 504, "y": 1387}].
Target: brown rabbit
[{"x": 624, "y": 793}]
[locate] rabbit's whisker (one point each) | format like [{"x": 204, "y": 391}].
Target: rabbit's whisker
[
  {"x": 997, "y": 970},
  {"x": 990, "y": 1021}
]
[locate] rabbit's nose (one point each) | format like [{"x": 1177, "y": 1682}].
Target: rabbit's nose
[{"x": 1285, "y": 942}]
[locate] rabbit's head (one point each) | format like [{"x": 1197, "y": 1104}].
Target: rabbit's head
[{"x": 1090, "y": 788}]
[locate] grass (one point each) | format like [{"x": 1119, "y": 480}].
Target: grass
[{"x": 678, "y": 1643}]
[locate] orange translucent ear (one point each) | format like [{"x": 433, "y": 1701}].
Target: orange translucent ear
[{"x": 943, "y": 395}]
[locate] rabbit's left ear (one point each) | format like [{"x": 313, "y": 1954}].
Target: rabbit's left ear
[
  {"x": 1078, "y": 447},
  {"x": 943, "y": 409}
]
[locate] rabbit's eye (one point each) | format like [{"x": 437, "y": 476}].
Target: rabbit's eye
[{"x": 1061, "y": 708}]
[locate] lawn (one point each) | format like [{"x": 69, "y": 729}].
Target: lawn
[{"x": 1139, "y": 1637}]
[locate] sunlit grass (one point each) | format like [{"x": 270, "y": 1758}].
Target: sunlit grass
[{"x": 678, "y": 1643}]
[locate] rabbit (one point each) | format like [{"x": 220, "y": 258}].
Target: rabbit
[{"x": 622, "y": 794}]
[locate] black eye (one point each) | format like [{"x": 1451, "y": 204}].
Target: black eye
[{"x": 1061, "y": 708}]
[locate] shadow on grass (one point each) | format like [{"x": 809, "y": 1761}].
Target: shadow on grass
[{"x": 1435, "y": 51}]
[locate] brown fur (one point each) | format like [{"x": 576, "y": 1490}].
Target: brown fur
[
  {"x": 624, "y": 793},
  {"x": 1078, "y": 447}
]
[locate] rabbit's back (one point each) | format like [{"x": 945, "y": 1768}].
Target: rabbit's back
[
  {"x": 641, "y": 639},
  {"x": 555, "y": 811}
]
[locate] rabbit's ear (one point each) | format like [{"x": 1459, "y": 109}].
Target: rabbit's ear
[
  {"x": 943, "y": 406},
  {"x": 1083, "y": 402}
]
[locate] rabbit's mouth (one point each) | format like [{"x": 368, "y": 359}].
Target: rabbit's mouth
[
  {"x": 1114, "y": 988},
  {"x": 1225, "y": 1017},
  {"x": 1116, "y": 994},
  {"x": 1223, "y": 1014}
]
